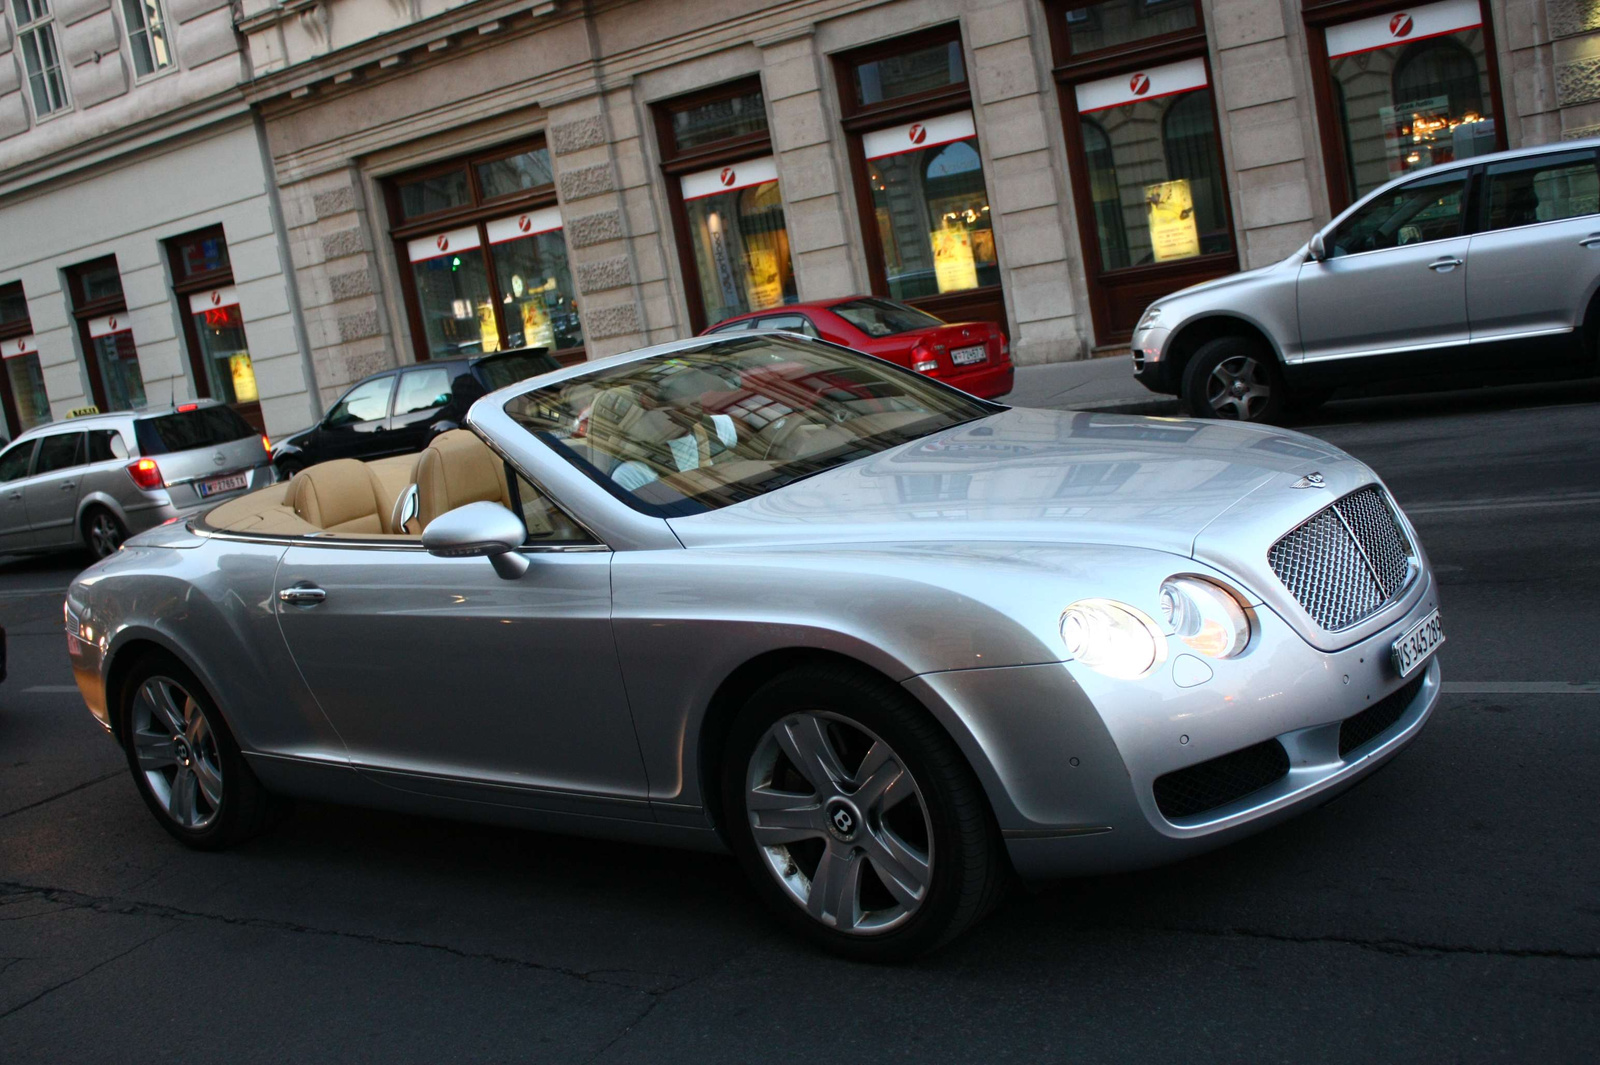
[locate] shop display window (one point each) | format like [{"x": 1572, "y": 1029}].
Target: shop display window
[
  {"x": 919, "y": 173},
  {"x": 115, "y": 379},
  {"x": 727, "y": 207},
  {"x": 23, "y": 400},
  {"x": 931, "y": 208},
  {"x": 491, "y": 274},
  {"x": 214, "y": 325}
]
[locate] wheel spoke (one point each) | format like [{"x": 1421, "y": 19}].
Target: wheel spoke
[
  {"x": 209, "y": 779},
  {"x": 804, "y": 739},
  {"x": 903, "y": 871},
  {"x": 181, "y": 804},
  {"x": 199, "y": 729},
  {"x": 154, "y": 750},
  {"x": 879, "y": 773},
  {"x": 780, "y": 817},
  {"x": 835, "y": 897},
  {"x": 165, "y": 709}
]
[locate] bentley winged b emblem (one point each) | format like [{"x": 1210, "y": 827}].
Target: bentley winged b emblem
[{"x": 1310, "y": 480}]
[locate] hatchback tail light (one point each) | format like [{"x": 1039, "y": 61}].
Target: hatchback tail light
[
  {"x": 146, "y": 474},
  {"x": 922, "y": 359},
  {"x": 266, "y": 445}
]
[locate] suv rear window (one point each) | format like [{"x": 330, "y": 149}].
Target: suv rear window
[
  {"x": 498, "y": 371},
  {"x": 190, "y": 429}
]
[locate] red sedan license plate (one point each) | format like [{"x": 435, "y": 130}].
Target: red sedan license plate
[
  {"x": 968, "y": 356},
  {"x": 1417, "y": 643},
  {"x": 216, "y": 485}
]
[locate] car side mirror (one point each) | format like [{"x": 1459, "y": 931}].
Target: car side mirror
[
  {"x": 479, "y": 530},
  {"x": 1318, "y": 249}
]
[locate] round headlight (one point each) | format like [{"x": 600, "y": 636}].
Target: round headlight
[
  {"x": 1112, "y": 638},
  {"x": 1205, "y": 616}
]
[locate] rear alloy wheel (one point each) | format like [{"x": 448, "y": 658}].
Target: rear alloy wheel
[
  {"x": 856, "y": 818},
  {"x": 1233, "y": 379},
  {"x": 186, "y": 764},
  {"x": 102, "y": 532}
]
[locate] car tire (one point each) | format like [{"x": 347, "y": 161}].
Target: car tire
[
  {"x": 287, "y": 470},
  {"x": 905, "y": 850},
  {"x": 184, "y": 760},
  {"x": 103, "y": 532},
  {"x": 1234, "y": 378}
]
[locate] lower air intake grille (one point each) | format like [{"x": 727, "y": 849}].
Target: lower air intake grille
[
  {"x": 1206, "y": 786},
  {"x": 1375, "y": 720},
  {"x": 1346, "y": 561}
]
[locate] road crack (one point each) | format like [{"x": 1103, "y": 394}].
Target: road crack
[
  {"x": 1383, "y": 945},
  {"x": 90, "y": 971},
  {"x": 63, "y": 794}
]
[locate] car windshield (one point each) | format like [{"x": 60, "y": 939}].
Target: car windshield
[
  {"x": 189, "y": 429},
  {"x": 881, "y": 318},
  {"x": 498, "y": 371},
  {"x": 693, "y": 431}
]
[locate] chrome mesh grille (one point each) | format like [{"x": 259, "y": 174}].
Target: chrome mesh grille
[{"x": 1346, "y": 561}]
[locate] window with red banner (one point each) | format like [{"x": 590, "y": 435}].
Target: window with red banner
[
  {"x": 214, "y": 329},
  {"x": 23, "y": 401},
  {"x": 116, "y": 381},
  {"x": 1402, "y": 88}
]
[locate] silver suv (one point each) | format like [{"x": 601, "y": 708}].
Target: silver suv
[
  {"x": 90, "y": 482},
  {"x": 1460, "y": 269}
]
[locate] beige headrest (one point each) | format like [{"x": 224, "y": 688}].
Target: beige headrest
[
  {"x": 338, "y": 496},
  {"x": 457, "y": 469}
]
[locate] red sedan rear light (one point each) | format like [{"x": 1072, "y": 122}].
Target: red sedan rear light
[
  {"x": 146, "y": 474},
  {"x": 922, "y": 359}
]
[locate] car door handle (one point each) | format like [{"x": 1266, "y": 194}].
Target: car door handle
[
  {"x": 302, "y": 595},
  {"x": 1439, "y": 266},
  {"x": 69, "y": 486},
  {"x": 15, "y": 497},
  {"x": 1591, "y": 241}
]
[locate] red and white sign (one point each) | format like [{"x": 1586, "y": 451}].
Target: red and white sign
[
  {"x": 110, "y": 325},
  {"x": 544, "y": 220},
  {"x": 1403, "y": 27},
  {"x": 727, "y": 178},
  {"x": 915, "y": 136},
  {"x": 1148, "y": 84},
  {"x": 214, "y": 300},
  {"x": 16, "y": 346},
  {"x": 457, "y": 240}
]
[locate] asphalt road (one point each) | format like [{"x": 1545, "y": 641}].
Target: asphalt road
[{"x": 1448, "y": 910}]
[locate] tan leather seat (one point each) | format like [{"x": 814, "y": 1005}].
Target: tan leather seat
[
  {"x": 342, "y": 496},
  {"x": 457, "y": 469}
]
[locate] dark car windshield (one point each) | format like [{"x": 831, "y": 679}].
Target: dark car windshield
[
  {"x": 881, "y": 318},
  {"x": 498, "y": 371},
  {"x": 188, "y": 429},
  {"x": 693, "y": 431}
]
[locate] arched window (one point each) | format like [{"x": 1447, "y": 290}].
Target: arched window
[
  {"x": 1107, "y": 194},
  {"x": 1188, "y": 136},
  {"x": 1440, "y": 67}
]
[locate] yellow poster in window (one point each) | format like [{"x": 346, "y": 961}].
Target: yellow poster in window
[
  {"x": 488, "y": 329},
  {"x": 244, "y": 378},
  {"x": 1173, "y": 232},
  {"x": 536, "y": 329},
  {"x": 763, "y": 284},
  {"x": 954, "y": 267}
]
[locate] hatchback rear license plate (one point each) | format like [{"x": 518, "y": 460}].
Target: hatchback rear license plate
[
  {"x": 968, "y": 356},
  {"x": 231, "y": 483},
  {"x": 1417, "y": 643}
]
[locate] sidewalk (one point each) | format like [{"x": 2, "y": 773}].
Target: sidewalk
[{"x": 1089, "y": 384}]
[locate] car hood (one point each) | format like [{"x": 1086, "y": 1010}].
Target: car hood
[
  {"x": 1244, "y": 277},
  {"x": 1028, "y": 475}
]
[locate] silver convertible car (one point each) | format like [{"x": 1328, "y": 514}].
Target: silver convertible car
[{"x": 889, "y": 644}]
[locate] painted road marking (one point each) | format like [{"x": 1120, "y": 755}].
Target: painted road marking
[
  {"x": 1521, "y": 687},
  {"x": 1573, "y": 499},
  {"x": 51, "y": 689}
]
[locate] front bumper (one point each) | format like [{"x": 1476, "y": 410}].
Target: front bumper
[
  {"x": 1148, "y": 348},
  {"x": 1070, "y": 757}
]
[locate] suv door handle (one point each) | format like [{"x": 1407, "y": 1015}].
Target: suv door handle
[
  {"x": 69, "y": 486},
  {"x": 15, "y": 497},
  {"x": 302, "y": 595},
  {"x": 1439, "y": 266},
  {"x": 1591, "y": 241}
]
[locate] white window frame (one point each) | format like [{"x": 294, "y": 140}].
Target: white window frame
[
  {"x": 128, "y": 30},
  {"x": 41, "y": 25}
]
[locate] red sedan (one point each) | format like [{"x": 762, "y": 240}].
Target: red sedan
[{"x": 973, "y": 356}]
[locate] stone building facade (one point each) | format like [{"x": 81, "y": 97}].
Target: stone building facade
[{"x": 595, "y": 175}]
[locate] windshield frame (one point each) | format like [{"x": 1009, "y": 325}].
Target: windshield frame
[{"x": 745, "y": 490}]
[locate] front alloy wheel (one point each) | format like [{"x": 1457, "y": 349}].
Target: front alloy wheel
[
  {"x": 177, "y": 752},
  {"x": 1239, "y": 389},
  {"x": 1236, "y": 379},
  {"x": 840, "y": 822}
]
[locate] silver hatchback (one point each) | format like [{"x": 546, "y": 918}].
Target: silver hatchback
[
  {"x": 91, "y": 482},
  {"x": 1484, "y": 268}
]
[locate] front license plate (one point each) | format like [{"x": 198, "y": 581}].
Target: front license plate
[
  {"x": 1417, "y": 643},
  {"x": 231, "y": 483},
  {"x": 969, "y": 356}
]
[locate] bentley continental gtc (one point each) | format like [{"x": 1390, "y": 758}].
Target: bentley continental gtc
[{"x": 890, "y": 645}]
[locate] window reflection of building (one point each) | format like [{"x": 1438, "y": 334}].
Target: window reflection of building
[
  {"x": 931, "y": 200},
  {"x": 23, "y": 401},
  {"x": 741, "y": 250},
  {"x": 115, "y": 379}
]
